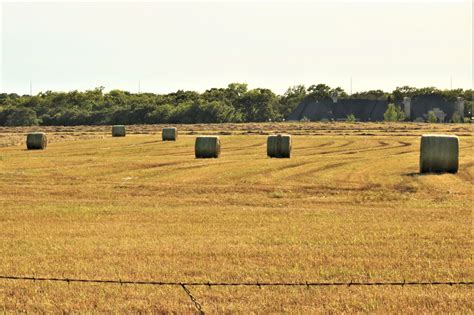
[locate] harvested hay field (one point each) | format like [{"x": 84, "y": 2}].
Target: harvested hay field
[
  {"x": 348, "y": 206},
  {"x": 16, "y": 135}
]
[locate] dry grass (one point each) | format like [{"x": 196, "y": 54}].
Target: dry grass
[
  {"x": 16, "y": 136},
  {"x": 346, "y": 206}
]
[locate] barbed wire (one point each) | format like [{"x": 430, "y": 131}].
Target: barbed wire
[
  {"x": 258, "y": 284},
  {"x": 198, "y": 306}
]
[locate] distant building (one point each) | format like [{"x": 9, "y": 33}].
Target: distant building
[
  {"x": 339, "y": 109},
  {"x": 415, "y": 108}
]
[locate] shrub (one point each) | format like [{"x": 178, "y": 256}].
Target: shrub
[
  {"x": 432, "y": 117},
  {"x": 456, "y": 118},
  {"x": 22, "y": 117},
  {"x": 305, "y": 119},
  {"x": 351, "y": 118},
  {"x": 393, "y": 113}
]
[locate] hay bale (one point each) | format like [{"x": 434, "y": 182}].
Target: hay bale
[
  {"x": 36, "y": 141},
  {"x": 118, "y": 131},
  {"x": 207, "y": 147},
  {"x": 279, "y": 146},
  {"x": 169, "y": 134},
  {"x": 439, "y": 153}
]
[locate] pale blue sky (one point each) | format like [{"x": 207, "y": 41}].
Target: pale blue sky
[{"x": 199, "y": 45}]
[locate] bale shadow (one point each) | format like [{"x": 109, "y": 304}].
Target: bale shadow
[
  {"x": 418, "y": 174},
  {"x": 414, "y": 174}
]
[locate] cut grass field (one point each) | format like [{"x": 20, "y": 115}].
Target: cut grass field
[{"x": 348, "y": 206}]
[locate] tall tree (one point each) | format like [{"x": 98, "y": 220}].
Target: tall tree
[
  {"x": 259, "y": 105},
  {"x": 291, "y": 99}
]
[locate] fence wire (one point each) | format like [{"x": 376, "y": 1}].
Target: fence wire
[
  {"x": 257, "y": 284},
  {"x": 198, "y": 306}
]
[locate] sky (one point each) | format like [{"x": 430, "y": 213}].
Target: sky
[{"x": 162, "y": 47}]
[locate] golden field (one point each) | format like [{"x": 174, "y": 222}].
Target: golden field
[{"x": 348, "y": 206}]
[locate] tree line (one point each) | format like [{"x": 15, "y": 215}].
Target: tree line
[{"x": 235, "y": 103}]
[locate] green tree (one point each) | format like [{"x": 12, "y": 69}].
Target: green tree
[
  {"x": 320, "y": 91},
  {"x": 391, "y": 114},
  {"x": 400, "y": 113},
  {"x": 371, "y": 95},
  {"x": 215, "y": 112},
  {"x": 231, "y": 104},
  {"x": 340, "y": 92},
  {"x": 394, "y": 113},
  {"x": 456, "y": 118},
  {"x": 432, "y": 117},
  {"x": 235, "y": 90},
  {"x": 468, "y": 109},
  {"x": 162, "y": 114},
  {"x": 181, "y": 96},
  {"x": 400, "y": 92},
  {"x": 184, "y": 113},
  {"x": 22, "y": 117},
  {"x": 259, "y": 105},
  {"x": 291, "y": 99}
]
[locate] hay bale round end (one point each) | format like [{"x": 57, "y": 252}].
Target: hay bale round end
[
  {"x": 207, "y": 147},
  {"x": 169, "y": 134},
  {"x": 36, "y": 141},
  {"x": 118, "y": 131},
  {"x": 439, "y": 154},
  {"x": 279, "y": 146}
]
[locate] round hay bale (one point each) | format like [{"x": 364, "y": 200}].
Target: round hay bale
[
  {"x": 36, "y": 141},
  {"x": 279, "y": 146},
  {"x": 169, "y": 134},
  {"x": 207, "y": 147},
  {"x": 118, "y": 131},
  {"x": 439, "y": 154}
]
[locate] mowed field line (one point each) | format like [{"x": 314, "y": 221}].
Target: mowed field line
[
  {"x": 142, "y": 209},
  {"x": 300, "y": 168},
  {"x": 142, "y": 162}
]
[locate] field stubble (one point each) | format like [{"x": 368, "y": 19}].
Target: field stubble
[{"x": 349, "y": 205}]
